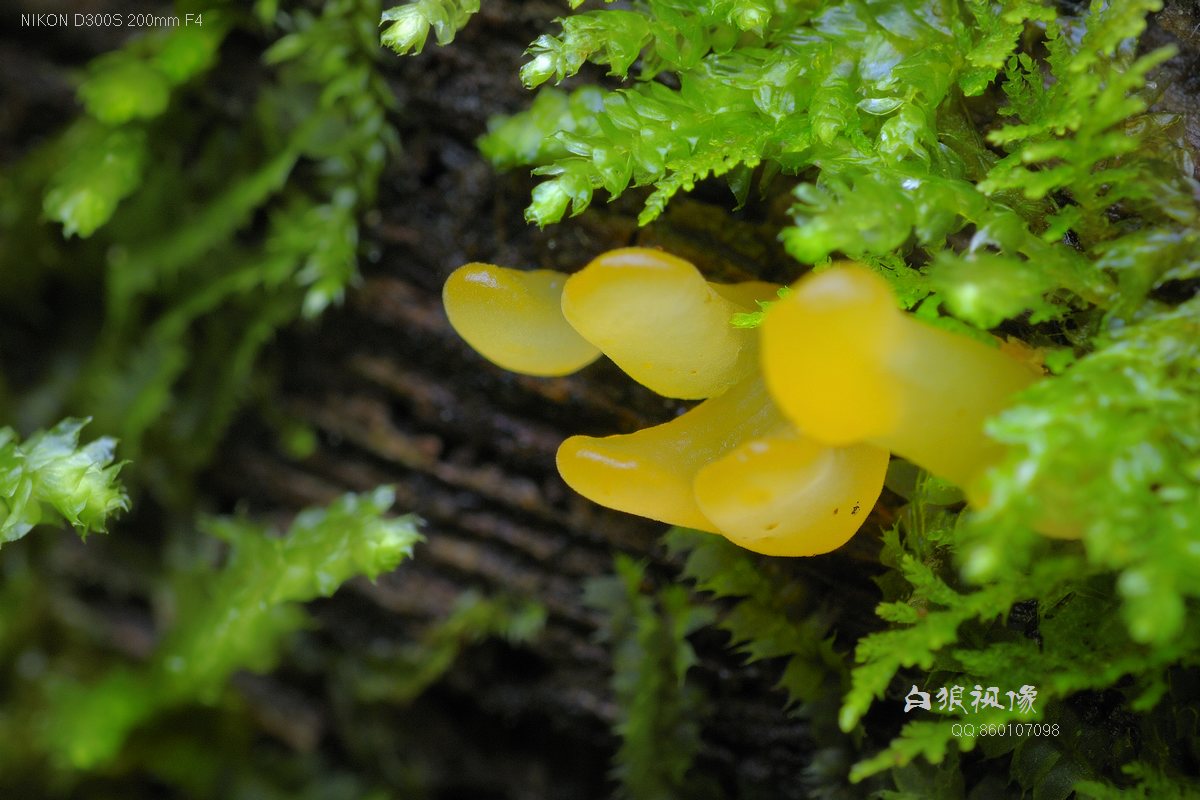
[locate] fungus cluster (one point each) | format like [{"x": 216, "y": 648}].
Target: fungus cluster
[{"x": 786, "y": 453}]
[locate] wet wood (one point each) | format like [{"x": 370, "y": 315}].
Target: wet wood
[{"x": 396, "y": 398}]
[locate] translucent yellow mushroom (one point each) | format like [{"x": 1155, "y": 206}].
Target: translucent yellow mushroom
[
  {"x": 787, "y": 495},
  {"x": 847, "y": 365},
  {"x": 657, "y": 318},
  {"x": 650, "y": 472},
  {"x": 732, "y": 465},
  {"x": 514, "y": 319}
]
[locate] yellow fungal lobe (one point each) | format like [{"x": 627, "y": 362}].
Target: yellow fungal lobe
[
  {"x": 745, "y": 295},
  {"x": 847, "y": 365},
  {"x": 651, "y": 472},
  {"x": 514, "y": 319},
  {"x": 657, "y": 318},
  {"x": 840, "y": 323},
  {"x": 787, "y": 495}
]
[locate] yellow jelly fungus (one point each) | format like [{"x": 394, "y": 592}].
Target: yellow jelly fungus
[
  {"x": 787, "y": 495},
  {"x": 657, "y": 318},
  {"x": 650, "y": 472},
  {"x": 513, "y": 318},
  {"x": 732, "y": 465},
  {"x": 847, "y": 365}
]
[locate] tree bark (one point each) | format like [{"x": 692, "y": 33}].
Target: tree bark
[{"x": 397, "y": 398}]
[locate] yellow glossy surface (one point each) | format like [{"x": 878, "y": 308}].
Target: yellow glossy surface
[
  {"x": 651, "y": 472},
  {"x": 745, "y": 295},
  {"x": 847, "y": 365},
  {"x": 787, "y": 495},
  {"x": 514, "y": 319},
  {"x": 657, "y": 318}
]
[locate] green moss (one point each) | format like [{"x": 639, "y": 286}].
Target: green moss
[
  {"x": 658, "y": 711},
  {"x": 400, "y": 675},
  {"x": 207, "y": 238},
  {"x": 407, "y": 26},
  {"x": 999, "y": 164},
  {"x": 51, "y": 478},
  {"x": 996, "y": 160},
  {"x": 228, "y": 619}
]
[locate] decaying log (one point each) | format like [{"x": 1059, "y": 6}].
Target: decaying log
[{"x": 396, "y": 398}]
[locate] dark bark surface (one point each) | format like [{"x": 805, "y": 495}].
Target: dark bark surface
[{"x": 397, "y": 398}]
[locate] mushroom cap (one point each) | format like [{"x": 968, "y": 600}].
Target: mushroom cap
[
  {"x": 787, "y": 495},
  {"x": 514, "y": 319},
  {"x": 657, "y": 318},
  {"x": 826, "y": 353}
]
